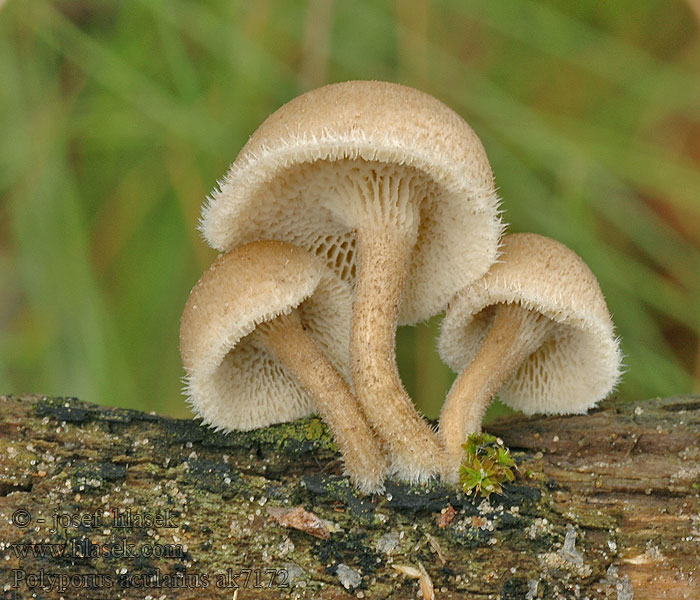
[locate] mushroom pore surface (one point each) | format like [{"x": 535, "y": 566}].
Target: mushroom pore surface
[
  {"x": 292, "y": 181},
  {"x": 535, "y": 327},
  {"x": 394, "y": 191},
  {"x": 263, "y": 336}
]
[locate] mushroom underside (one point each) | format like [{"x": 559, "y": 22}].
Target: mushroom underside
[
  {"x": 393, "y": 232},
  {"x": 316, "y": 206},
  {"x": 568, "y": 373}
]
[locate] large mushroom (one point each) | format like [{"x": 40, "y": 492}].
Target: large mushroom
[
  {"x": 394, "y": 190},
  {"x": 264, "y": 339},
  {"x": 537, "y": 328}
]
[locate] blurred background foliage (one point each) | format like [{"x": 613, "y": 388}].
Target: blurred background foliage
[{"x": 116, "y": 119}]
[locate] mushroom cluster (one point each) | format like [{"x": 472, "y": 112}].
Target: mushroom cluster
[{"x": 352, "y": 209}]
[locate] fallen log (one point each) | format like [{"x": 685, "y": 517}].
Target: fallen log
[{"x": 100, "y": 503}]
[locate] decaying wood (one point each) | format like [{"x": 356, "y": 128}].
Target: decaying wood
[{"x": 102, "y": 503}]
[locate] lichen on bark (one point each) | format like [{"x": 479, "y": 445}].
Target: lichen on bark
[{"x": 136, "y": 505}]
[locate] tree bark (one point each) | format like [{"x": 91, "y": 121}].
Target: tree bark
[{"x": 102, "y": 503}]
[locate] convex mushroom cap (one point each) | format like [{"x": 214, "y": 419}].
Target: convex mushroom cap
[
  {"x": 264, "y": 339},
  {"x": 297, "y": 179},
  {"x": 394, "y": 191},
  {"x": 233, "y": 380},
  {"x": 551, "y": 342}
]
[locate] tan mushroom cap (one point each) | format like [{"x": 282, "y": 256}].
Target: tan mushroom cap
[
  {"x": 580, "y": 362},
  {"x": 232, "y": 381},
  {"x": 292, "y": 181}
]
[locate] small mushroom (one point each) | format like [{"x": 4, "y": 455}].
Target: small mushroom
[
  {"x": 264, "y": 338},
  {"x": 394, "y": 190},
  {"x": 535, "y": 327}
]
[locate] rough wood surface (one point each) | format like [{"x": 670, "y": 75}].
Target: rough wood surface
[{"x": 199, "y": 513}]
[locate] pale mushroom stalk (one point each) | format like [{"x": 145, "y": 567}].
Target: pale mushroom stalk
[
  {"x": 382, "y": 267},
  {"x": 264, "y": 339},
  {"x": 384, "y": 203},
  {"x": 394, "y": 191},
  {"x": 536, "y": 329},
  {"x": 286, "y": 338},
  {"x": 515, "y": 334}
]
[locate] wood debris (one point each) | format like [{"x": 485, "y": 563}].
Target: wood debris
[
  {"x": 435, "y": 547},
  {"x": 426, "y": 584},
  {"x": 298, "y": 518},
  {"x": 445, "y": 517}
]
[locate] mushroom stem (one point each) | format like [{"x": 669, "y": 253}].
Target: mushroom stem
[
  {"x": 382, "y": 266},
  {"x": 286, "y": 338},
  {"x": 514, "y": 335}
]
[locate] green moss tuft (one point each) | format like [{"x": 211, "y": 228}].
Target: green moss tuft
[{"x": 486, "y": 466}]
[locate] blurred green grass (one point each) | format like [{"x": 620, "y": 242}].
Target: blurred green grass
[{"x": 116, "y": 119}]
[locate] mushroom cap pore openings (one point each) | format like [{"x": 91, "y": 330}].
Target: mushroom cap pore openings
[
  {"x": 580, "y": 362},
  {"x": 232, "y": 382},
  {"x": 275, "y": 187}
]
